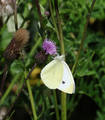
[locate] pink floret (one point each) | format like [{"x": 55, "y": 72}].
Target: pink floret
[{"x": 49, "y": 47}]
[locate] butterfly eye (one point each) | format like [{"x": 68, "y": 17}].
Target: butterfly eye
[{"x": 63, "y": 82}]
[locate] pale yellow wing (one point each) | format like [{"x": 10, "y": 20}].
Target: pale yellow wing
[
  {"x": 52, "y": 74},
  {"x": 67, "y": 84}
]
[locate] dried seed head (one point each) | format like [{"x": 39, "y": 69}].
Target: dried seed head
[
  {"x": 6, "y": 7},
  {"x": 40, "y": 57},
  {"x": 19, "y": 40},
  {"x": 21, "y": 37}
]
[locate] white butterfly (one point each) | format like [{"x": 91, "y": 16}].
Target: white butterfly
[{"x": 57, "y": 75}]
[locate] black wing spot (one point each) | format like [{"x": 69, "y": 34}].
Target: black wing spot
[{"x": 63, "y": 82}]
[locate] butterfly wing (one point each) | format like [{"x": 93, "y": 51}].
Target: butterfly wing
[
  {"x": 67, "y": 84},
  {"x": 52, "y": 74}
]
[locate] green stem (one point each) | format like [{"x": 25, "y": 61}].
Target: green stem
[
  {"x": 52, "y": 15},
  {"x": 3, "y": 79},
  {"x": 63, "y": 95},
  {"x": 56, "y": 106},
  {"x": 19, "y": 92},
  {"x": 35, "y": 46},
  {"x": 83, "y": 37},
  {"x": 40, "y": 18},
  {"x": 31, "y": 97},
  {"x": 9, "y": 88},
  {"x": 19, "y": 87},
  {"x": 59, "y": 26},
  {"x": 63, "y": 106},
  {"x": 15, "y": 14},
  {"x": 2, "y": 29}
]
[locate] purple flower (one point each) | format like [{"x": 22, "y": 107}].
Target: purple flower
[
  {"x": 47, "y": 13},
  {"x": 49, "y": 47}
]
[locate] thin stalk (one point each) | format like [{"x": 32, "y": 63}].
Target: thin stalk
[
  {"x": 40, "y": 18},
  {"x": 83, "y": 37},
  {"x": 59, "y": 25},
  {"x": 2, "y": 29},
  {"x": 3, "y": 81},
  {"x": 63, "y": 95},
  {"x": 52, "y": 15},
  {"x": 19, "y": 92},
  {"x": 15, "y": 14},
  {"x": 31, "y": 98},
  {"x": 9, "y": 88},
  {"x": 56, "y": 106},
  {"x": 63, "y": 106},
  {"x": 14, "y": 101},
  {"x": 35, "y": 46},
  {"x": 19, "y": 87}
]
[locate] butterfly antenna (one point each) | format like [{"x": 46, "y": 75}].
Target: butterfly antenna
[{"x": 68, "y": 51}]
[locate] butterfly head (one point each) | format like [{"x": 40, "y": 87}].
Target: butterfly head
[{"x": 59, "y": 58}]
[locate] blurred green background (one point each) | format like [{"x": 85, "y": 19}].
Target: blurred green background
[{"x": 88, "y": 101}]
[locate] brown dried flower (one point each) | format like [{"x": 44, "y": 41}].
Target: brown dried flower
[
  {"x": 19, "y": 41},
  {"x": 6, "y": 7}
]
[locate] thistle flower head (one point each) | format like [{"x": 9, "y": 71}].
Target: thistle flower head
[
  {"x": 49, "y": 47},
  {"x": 40, "y": 57},
  {"x": 19, "y": 40},
  {"x": 6, "y": 7}
]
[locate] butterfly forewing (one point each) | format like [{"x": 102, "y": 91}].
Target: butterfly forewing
[{"x": 52, "y": 74}]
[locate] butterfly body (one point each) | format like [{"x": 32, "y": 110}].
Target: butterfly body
[{"x": 57, "y": 75}]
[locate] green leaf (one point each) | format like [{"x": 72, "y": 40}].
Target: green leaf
[
  {"x": 32, "y": 118},
  {"x": 27, "y": 62},
  {"x": 16, "y": 67},
  {"x": 20, "y": 2},
  {"x": 52, "y": 113},
  {"x": 42, "y": 10},
  {"x": 100, "y": 115},
  {"x": 41, "y": 112},
  {"x": 83, "y": 73},
  {"x": 49, "y": 24},
  {"x": 43, "y": 2},
  {"x": 47, "y": 103},
  {"x": 82, "y": 70},
  {"x": 44, "y": 22},
  {"x": 11, "y": 115},
  {"x": 26, "y": 10},
  {"x": 1, "y": 72},
  {"x": 91, "y": 73}
]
